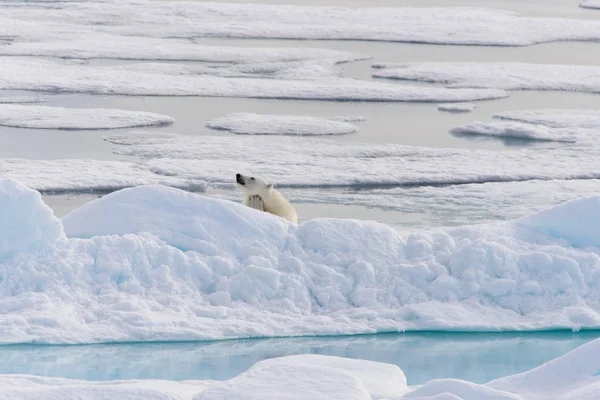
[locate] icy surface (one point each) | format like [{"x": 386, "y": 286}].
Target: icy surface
[
  {"x": 155, "y": 263},
  {"x": 42, "y": 117},
  {"x": 508, "y": 76},
  {"x": 316, "y": 162},
  {"x": 46, "y": 75},
  {"x": 74, "y": 175},
  {"x": 292, "y": 125},
  {"x": 517, "y": 130},
  {"x": 457, "y": 107},
  {"x": 555, "y": 118},
  {"x": 573, "y": 376},
  {"x": 22, "y": 99},
  {"x": 589, "y": 4},
  {"x": 451, "y": 25}
]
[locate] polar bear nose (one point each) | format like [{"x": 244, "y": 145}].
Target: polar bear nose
[{"x": 239, "y": 179}]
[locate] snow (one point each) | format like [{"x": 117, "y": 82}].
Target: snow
[
  {"x": 508, "y": 76},
  {"x": 256, "y": 124},
  {"x": 156, "y": 263},
  {"x": 317, "y": 162},
  {"x": 457, "y": 107},
  {"x": 589, "y": 4},
  {"x": 573, "y": 376},
  {"x": 50, "y": 76},
  {"x": 517, "y": 130},
  {"x": 443, "y": 25},
  {"x": 42, "y": 117}
]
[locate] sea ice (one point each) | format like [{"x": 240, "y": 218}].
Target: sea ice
[
  {"x": 316, "y": 162},
  {"x": 589, "y": 4},
  {"x": 555, "y": 118},
  {"x": 447, "y": 25},
  {"x": 51, "y": 76},
  {"x": 457, "y": 107},
  {"x": 42, "y": 117},
  {"x": 292, "y": 125},
  {"x": 22, "y": 99},
  {"x": 508, "y": 76},
  {"x": 518, "y": 130}
]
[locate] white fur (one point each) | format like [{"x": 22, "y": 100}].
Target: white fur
[{"x": 256, "y": 189}]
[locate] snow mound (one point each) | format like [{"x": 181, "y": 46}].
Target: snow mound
[
  {"x": 508, "y": 76},
  {"x": 46, "y": 75},
  {"x": 457, "y": 107},
  {"x": 594, "y": 4},
  {"x": 517, "y": 130},
  {"x": 314, "y": 377},
  {"x": 42, "y": 117},
  {"x": 555, "y": 118},
  {"x": 26, "y": 223},
  {"x": 255, "y": 124}
]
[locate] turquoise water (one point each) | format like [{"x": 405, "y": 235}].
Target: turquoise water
[{"x": 422, "y": 356}]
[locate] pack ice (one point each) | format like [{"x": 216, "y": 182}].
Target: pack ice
[{"x": 156, "y": 263}]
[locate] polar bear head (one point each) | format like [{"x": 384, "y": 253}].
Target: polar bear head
[{"x": 251, "y": 186}]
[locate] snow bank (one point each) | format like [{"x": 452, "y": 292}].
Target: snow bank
[
  {"x": 447, "y": 25},
  {"x": 457, "y": 107},
  {"x": 50, "y": 76},
  {"x": 508, "y": 76},
  {"x": 316, "y": 162},
  {"x": 42, "y": 117},
  {"x": 155, "y": 263},
  {"x": 256, "y": 124},
  {"x": 594, "y": 4},
  {"x": 517, "y": 130}
]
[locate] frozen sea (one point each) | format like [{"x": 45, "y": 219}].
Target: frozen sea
[{"x": 95, "y": 98}]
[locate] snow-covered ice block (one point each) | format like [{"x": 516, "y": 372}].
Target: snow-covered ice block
[
  {"x": 518, "y": 130},
  {"x": 26, "y": 223},
  {"x": 293, "y": 125},
  {"x": 457, "y": 107},
  {"x": 312, "y": 377},
  {"x": 51, "y": 76},
  {"x": 508, "y": 76},
  {"x": 42, "y": 117}
]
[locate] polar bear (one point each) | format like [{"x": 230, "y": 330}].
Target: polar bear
[{"x": 259, "y": 194}]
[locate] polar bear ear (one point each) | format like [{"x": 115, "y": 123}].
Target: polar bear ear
[{"x": 270, "y": 186}]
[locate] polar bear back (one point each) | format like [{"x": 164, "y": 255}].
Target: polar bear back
[{"x": 275, "y": 203}]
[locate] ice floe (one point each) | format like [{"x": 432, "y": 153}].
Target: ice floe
[
  {"x": 156, "y": 263},
  {"x": 448, "y": 25},
  {"x": 508, "y": 76},
  {"x": 50, "y": 76},
  {"x": 316, "y": 162},
  {"x": 292, "y": 125},
  {"x": 595, "y": 4},
  {"x": 517, "y": 130},
  {"x": 42, "y": 117},
  {"x": 555, "y": 118},
  {"x": 22, "y": 99},
  {"x": 74, "y": 175},
  {"x": 457, "y": 107}
]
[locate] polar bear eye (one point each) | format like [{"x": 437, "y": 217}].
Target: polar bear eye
[{"x": 252, "y": 178}]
